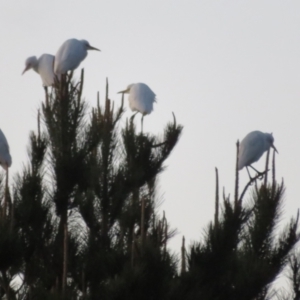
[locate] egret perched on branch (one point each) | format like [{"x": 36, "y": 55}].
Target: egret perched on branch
[
  {"x": 70, "y": 54},
  {"x": 5, "y": 158},
  {"x": 141, "y": 99},
  {"x": 252, "y": 148},
  {"x": 43, "y": 66}
]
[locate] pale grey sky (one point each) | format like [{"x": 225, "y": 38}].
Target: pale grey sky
[{"x": 225, "y": 68}]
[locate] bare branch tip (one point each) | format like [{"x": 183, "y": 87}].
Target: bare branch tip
[{"x": 174, "y": 119}]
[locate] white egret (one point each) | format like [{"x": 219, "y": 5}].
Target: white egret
[
  {"x": 5, "y": 162},
  {"x": 141, "y": 99},
  {"x": 43, "y": 66},
  {"x": 70, "y": 54},
  {"x": 252, "y": 148},
  {"x": 5, "y": 158}
]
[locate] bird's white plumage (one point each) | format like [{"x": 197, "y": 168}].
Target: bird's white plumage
[
  {"x": 43, "y": 66},
  {"x": 5, "y": 158},
  {"x": 253, "y": 147},
  {"x": 70, "y": 54},
  {"x": 141, "y": 98}
]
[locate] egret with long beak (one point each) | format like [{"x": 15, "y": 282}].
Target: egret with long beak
[
  {"x": 141, "y": 99},
  {"x": 70, "y": 54},
  {"x": 253, "y": 147},
  {"x": 43, "y": 66}
]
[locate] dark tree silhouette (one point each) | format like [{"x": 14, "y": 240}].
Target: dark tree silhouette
[{"x": 81, "y": 221}]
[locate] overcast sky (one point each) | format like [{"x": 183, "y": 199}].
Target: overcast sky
[{"x": 225, "y": 68}]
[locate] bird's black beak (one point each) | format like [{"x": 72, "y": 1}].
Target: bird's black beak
[
  {"x": 93, "y": 48},
  {"x": 26, "y": 69}
]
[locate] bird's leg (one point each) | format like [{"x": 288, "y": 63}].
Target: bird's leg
[
  {"x": 6, "y": 194},
  {"x": 132, "y": 117},
  {"x": 261, "y": 174},
  {"x": 64, "y": 85},
  {"x": 46, "y": 94},
  {"x": 70, "y": 76},
  {"x": 142, "y": 121},
  {"x": 251, "y": 179}
]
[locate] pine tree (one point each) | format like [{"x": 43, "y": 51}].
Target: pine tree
[
  {"x": 81, "y": 221},
  {"x": 85, "y": 206},
  {"x": 241, "y": 253}
]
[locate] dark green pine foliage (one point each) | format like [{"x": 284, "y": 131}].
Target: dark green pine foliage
[
  {"x": 242, "y": 252},
  {"x": 294, "y": 276},
  {"x": 118, "y": 209},
  {"x": 10, "y": 250},
  {"x": 34, "y": 220}
]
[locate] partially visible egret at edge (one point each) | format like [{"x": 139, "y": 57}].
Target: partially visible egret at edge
[
  {"x": 70, "y": 54},
  {"x": 253, "y": 147},
  {"x": 141, "y": 99},
  {"x": 5, "y": 158},
  {"x": 5, "y": 161},
  {"x": 43, "y": 66}
]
